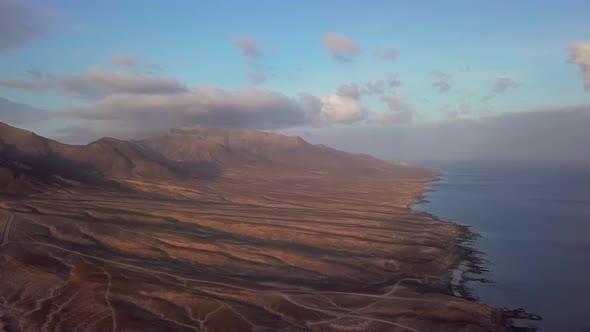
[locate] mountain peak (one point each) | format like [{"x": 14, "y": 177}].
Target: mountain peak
[
  {"x": 199, "y": 151},
  {"x": 106, "y": 140},
  {"x": 234, "y": 136}
]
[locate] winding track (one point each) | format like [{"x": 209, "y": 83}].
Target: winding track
[
  {"x": 9, "y": 217},
  {"x": 282, "y": 292},
  {"x": 336, "y": 314}
]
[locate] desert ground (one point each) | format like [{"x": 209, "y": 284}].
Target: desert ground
[{"x": 254, "y": 250}]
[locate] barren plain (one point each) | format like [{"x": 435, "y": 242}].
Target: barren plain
[{"x": 258, "y": 248}]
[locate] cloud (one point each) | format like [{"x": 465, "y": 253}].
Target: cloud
[
  {"x": 442, "y": 83},
  {"x": 124, "y": 60},
  {"x": 397, "y": 102},
  {"x": 249, "y": 47},
  {"x": 152, "y": 67},
  {"x": 400, "y": 111},
  {"x": 442, "y": 86},
  {"x": 96, "y": 83},
  {"x": 342, "y": 48},
  {"x": 390, "y": 118},
  {"x": 246, "y": 108},
  {"x": 257, "y": 78},
  {"x": 349, "y": 90},
  {"x": 378, "y": 87},
  {"x": 393, "y": 81},
  {"x": 387, "y": 54},
  {"x": 440, "y": 75},
  {"x": 18, "y": 114},
  {"x": 580, "y": 55},
  {"x": 540, "y": 137},
  {"x": 341, "y": 110},
  {"x": 454, "y": 113},
  {"x": 465, "y": 69},
  {"x": 250, "y": 107},
  {"x": 20, "y": 23},
  {"x": 499, "y": 86},
  {"x": 36, "y": 73},
  {"x": 503, "y": 84},
  {"x": 374, "y": 88}
]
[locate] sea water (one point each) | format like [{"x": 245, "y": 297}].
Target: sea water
[{"x": 534, "y": 222}]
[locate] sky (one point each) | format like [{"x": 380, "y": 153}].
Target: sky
[{"x": 80, "y": 70}]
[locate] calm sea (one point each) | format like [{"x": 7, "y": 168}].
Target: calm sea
[{"x": 534, "y": 223}]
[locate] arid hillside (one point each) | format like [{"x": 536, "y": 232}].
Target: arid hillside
[
  {"x": 28, "y": 161},
  {"x": 239, "y": 147},
  {"x": 221, "y": 230}
]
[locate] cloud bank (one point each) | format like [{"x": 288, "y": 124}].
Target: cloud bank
[
  {"x": 544, "y": 136},
  {"x": 250, "y": 107}
]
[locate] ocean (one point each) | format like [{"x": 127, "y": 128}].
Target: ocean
[{"x": 534, "y": 223}]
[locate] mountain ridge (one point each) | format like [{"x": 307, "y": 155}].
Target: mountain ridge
[{"x": 181, "y": 153}]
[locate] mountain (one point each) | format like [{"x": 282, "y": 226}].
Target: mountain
[
  {"x": 29, "y": 161},
  {"x": 239, "y": 147}
]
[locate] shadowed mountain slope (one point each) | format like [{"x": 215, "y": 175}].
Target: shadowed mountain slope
[
  {"x": 238, "y": 147},
  {"x": 28, "y": 160}
]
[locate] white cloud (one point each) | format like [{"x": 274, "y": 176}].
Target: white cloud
[
  {"x": 504, "y": 83},
  {"x": 374, "y": 88},
  {"x": 580, "y": 55},
  {"x": 378, "y": 87},
  {"x": 440, "y": 75},
  {"x": 400, "y": 111},
  {"x": 393, "y": 81},
  {"x": 250, "y": 47},
  {"x": 499, "y": 86},
  {"x": 97, "y": 83},
  {"x": 387, "y": 54},
  {"x": 341, "y": 110},
  {"x": 390, "y": 118},
  {"x": 250, "y": 107},
  {"x": 124, "y": 60},
  {"x": 342, "y": 48},
  {"x": 397, "y": 102},
  {"x": 505, "y": 137},
  {"x": 442, "y": 86},
  {"x": 349, "y": 90},
  {"x": 257, "y": 78}
]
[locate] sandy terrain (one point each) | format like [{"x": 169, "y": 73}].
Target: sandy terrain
[{"x": 251, "y": 251}]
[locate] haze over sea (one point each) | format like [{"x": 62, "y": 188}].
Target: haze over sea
[{"x": 534, "y": 223}]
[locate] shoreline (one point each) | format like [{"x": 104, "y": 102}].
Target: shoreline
[
  {"x": 471, "y": 261},
  {"x": 470, "y": 258}
]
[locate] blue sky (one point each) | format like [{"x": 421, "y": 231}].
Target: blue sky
[{"x": 471, "y": 44}]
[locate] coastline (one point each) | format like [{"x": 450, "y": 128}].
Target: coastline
[{"x": 471, "y": 261}]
